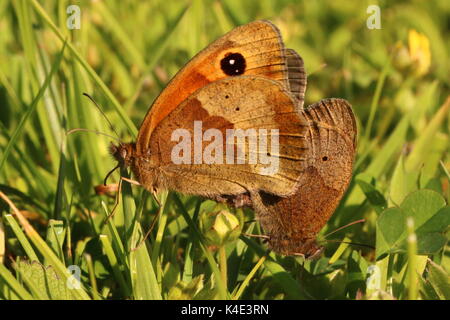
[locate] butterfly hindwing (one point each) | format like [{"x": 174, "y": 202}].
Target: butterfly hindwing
[
  {"x": 293, "y": 222},
  {"x": 296, "y": 76}
]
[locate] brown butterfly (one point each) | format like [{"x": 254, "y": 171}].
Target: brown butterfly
[
  {"x": 245, "y": 80},
  {"x": 292, "y": 223}
]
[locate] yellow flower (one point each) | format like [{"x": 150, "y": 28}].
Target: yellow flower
[{"x": 419, "y": 51}]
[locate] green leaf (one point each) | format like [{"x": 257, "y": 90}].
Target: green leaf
[
  {"x": 11, "y": 287},
  {"x": 44, "y": 282},
  {"x": 356, "y": 273},
  {"x": 390, "y": 226},
  {"x": 422, "y": 205},
  {"x": 429, "y": 243},
  {"x": 375, "y": 197},
  {"x": 426, "y": 290},
  {"x": 398, "y": 186},
  {"x": 45, "y": 250},
  {"x": 437, "y": 223},
  {"x": 186, "y": 291},
  {"x": 439, "y": 279},
  {"x": 426, "y": 208}
]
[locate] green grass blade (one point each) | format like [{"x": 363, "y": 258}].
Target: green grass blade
[
  {"x": 142, "y": 273},
  {"x": 15, "y": 285},
  {"x": 31, "y": 109},
  {"x": 281, "y": 276},
  {"x": 26, "y": 245},
  {"x": 114, "y": 265},
  {"x": 376, "y": 99},
  {"x": 116, "y": 240},
  {"x": 44, "y": 249},
  {"x": 423, "y": 144},
  {"x": 249, "y": 277},
  {"x": 198, "y": 237},
  {"x": 117, "y": 107}
]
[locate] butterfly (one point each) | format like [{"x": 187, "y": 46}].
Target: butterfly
[
  {"x": 292, "y": 223},
  {"x": 242, "y": 81}
]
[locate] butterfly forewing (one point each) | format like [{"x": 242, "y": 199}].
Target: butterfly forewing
[
  {"x": 261, "y": 109},
  {"x": 252, "y": 49}
]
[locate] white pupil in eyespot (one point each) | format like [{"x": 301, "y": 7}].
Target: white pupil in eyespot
[{"x": 232, "y": 61}]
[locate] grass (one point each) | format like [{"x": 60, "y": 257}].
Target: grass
[{"x": 123, "y": 55}]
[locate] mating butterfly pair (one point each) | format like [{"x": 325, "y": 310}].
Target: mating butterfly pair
[{"x": 248, "y": 80}]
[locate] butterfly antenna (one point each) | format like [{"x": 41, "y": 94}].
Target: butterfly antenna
[
  {"x": 104, "y": 115},
  {"x": 93, "y": 131},
  {"x": 343, "y": 227},
  {"x": 351, "y": 243}
]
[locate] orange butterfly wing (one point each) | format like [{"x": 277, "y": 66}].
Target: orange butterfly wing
[{"x": 255, "y": 49}]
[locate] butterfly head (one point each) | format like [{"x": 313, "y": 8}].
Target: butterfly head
[{"x": 122, "y": 152}]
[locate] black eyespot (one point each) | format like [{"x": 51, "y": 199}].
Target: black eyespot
[
  {"x": 237, "y": 109},
  {"x": 325, "y": 158},
  {"x": 227, "y": 96},
  {"x": 233, "y": 64}
]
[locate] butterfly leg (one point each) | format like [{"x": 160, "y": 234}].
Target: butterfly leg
[
  {"x": 130, "y": 181},
  {"x": 155, "y": 219},
  {"x": 150, "y": 229},
  {"x": 119, "y": 191},
  {"x": 260, "y": 236}
]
